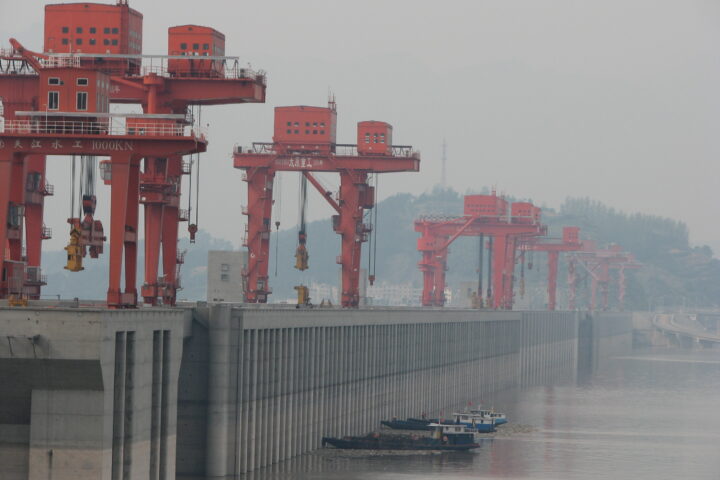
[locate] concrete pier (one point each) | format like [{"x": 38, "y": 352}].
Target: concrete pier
[
  {"x": 89, "y": 394},
  {"x": 223, "y": 390}
]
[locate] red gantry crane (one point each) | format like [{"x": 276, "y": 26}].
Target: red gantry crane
[
  {"x": 485, "y": 215},
  {"x": 71, "y": 117},
  {"x": 598, "y": 263},
  {"x": 195, "y": 72},
  {"x": 569, "y": 242},
  {"x": 108, "y": 39},
  {"x": 304, "y": 141}
]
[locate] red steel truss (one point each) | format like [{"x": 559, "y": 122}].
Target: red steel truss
[
  {"x": 352, "y": 162},
  {"x": 484, "y": 215},
  {"x": 569, "y": 242}
]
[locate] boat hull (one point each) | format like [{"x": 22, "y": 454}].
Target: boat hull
[
  {"x": 406, "y": 425},
  {"x": 384, "y": 443}
]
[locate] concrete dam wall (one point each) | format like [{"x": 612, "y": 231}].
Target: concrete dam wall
[
  {"x": 218, "y": 391},
  {"x": 259, "y": 386},
  {"x": 89, "y": 393}
]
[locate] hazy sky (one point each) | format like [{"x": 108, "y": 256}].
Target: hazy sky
[{"x": 612, "y": 99}]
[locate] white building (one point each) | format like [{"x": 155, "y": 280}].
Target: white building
[{"x": 225, "y": 282}]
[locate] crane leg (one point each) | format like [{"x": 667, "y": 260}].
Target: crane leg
[
  {"x": 169, "y": 248},
  {"x": 152, "y": 196},
  {"x": 153, "y": 223},
  {"x": 440, "y": 276},
  {"x": 426, "y": 245},
  {"x": 552, "y": 279},
  {"x": 8, "y": 194},
  {"x": 509, "y": 280},
  {"x": 17, "y": 190},
  {"x": 259, "y": 213},
  {"x": 34, "y": 217},
  {"x": 572, "y": 284},
  {"x": 170, "y": 226},
  {"x": 123, "y": 230},
  {"x": 353, "y": 233},
  {"x": 499, "y": 261}
]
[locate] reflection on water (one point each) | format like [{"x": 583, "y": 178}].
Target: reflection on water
[{"x": 652, "y": 415}]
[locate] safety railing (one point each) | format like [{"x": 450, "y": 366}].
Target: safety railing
[
  {"x": 437, "y": 218},
  {"x": 199, "y": 68},
  {"x": 341, "y": 149},
  {"x": 110, "y": 127},
  {"x": 64, "y": 61},
  {"x": 406, "y": 151},
  {"x": 183, "y": 215}
]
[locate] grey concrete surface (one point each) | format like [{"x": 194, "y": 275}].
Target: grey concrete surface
[
  {"x": 278, "y": 379},
  {"x": 89, "y": 393},
  {"x": 220, "y": 390}
]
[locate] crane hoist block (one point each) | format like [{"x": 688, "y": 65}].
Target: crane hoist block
[
  {"x": 301, "y": 258},
  {"x": 303, "y": 295},
  {"x": 374, "y": 138},
  {"x": 195, "y": 42},
  {"x": 74, "y": 252}
]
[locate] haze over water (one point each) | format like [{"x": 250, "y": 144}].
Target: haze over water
[{"x": 650, "y": 415}]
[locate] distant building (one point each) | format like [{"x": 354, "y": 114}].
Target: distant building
[
  {"x": 323, "y": 291},
  {"x": 225, "y": 281},
  {"x": 394, "y": 294}
]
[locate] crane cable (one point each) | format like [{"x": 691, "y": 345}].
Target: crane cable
[
  {"x": 190, "y": 180},
  {"x": 72, "y": 188},
  {"x": 197, "y": 177},
  {"x": 375, "y": 226},
  {"x": 278, "y": 210},
  {"x": 303, "y": 206}
]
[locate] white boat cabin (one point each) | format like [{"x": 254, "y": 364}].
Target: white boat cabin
[
  {"x": 488, "y": 414},
  {"x": 472, "y": 419}
]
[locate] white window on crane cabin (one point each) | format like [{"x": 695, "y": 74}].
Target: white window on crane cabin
[
  {"x": 82, "y": 101},
  {"x": 53, "y": 100}
]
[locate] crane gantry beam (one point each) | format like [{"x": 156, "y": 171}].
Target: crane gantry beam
[
  {"x": 304, "y": 141},
  {"x": 569, "y": 242},
  {"x": 161, "y": 84},
  {"x": 485, "y": 215}
]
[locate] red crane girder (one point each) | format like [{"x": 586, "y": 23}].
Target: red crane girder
[
  {"x": 553, "y": 247},
  {"x": 598, "y": 264},
  {"x": 125, "y": 152},
  {"x": 354, "y": 197},
  {"x": 161, "y": 91},
  {"x": 439, "y": 232}
]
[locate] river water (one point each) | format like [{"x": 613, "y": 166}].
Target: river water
[{"x": 650, "y": 415}]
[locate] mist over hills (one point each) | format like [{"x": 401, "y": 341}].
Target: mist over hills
[{"x": 673, "y": 273}]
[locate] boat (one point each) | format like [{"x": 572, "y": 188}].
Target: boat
[
  {"x": 443, "y": 438},
  {"x": 409, "y": 424},
  {"x": 499, "y": 418},
  {"x": 478, "y": 422}
]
